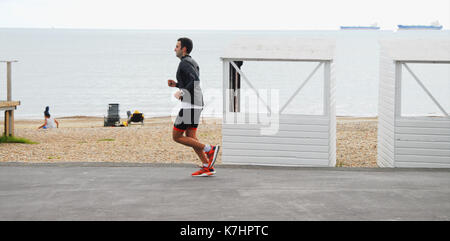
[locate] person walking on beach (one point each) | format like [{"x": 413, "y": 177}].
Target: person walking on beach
[
  {"x": 191, "y": 97},
  {"x": 49, "y": 121}
]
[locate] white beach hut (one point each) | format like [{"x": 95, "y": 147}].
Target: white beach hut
[
  {"x": 296, "y": 139},
  {"x": 413, "y": 141}
]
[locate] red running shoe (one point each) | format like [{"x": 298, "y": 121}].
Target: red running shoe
[
  {"x": 211, "y": 169},
  {"x": 203, "y": 172},
  {"x": 212, "y": 155}
]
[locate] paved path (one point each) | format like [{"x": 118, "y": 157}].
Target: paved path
[{"x": 108, "y": 191}]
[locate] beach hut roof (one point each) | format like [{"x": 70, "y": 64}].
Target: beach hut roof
[
  {"x": 426, "y": 50},
  {"x": 281, "y": 49}
]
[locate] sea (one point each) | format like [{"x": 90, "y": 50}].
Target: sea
[{"x": 79, "y": 72}]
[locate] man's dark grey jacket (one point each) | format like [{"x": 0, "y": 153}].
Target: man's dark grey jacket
[{"x": 188, "y": 76}]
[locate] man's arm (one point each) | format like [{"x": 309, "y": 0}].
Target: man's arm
[{"x": 179, "y": 94}]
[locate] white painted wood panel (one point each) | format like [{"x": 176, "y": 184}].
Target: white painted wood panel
[
  {"x": 423, "y": 159},
  {"x": 422, "y": 142},
  {"x": 412, "y": 137},
  {"x": 281, "y": 161},
  {"x": 332, "y": 115},
  {"x": 244, "y": 118},
  {"x": 280, "y": 49},
  {"x": 422, "y": 152},
  {"x": 422, "y": 130},
  {"x": 301, "y": 140},
  {"x": 388, "y": 137},
  {"x": 386, "y": 125},
  {"x": 384, "y": 160},
  {"x": 280, "y": 147},
  {"x": 293, "y": 134},
  {"x": 422, "y": 164},
  {"x": 435, "y": 123},
  {"x": 275, "y": 140},
  {"x": 386, "y": 110},
  {"x": 275, "y": 154},
  {"x": 283, "y": 127},
  {"x": 386, "y": 148},
  {"x": 419, "y": 49}
]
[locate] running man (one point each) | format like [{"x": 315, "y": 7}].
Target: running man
[{"x": 191, "y": 97}]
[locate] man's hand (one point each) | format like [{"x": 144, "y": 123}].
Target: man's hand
[
  {"x": 178, "y": 94},
  {"x": 171, "y": 83}
]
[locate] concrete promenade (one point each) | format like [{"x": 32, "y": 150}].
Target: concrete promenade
[{"x": 115, "y": 191}]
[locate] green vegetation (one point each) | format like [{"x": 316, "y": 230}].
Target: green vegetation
[
  {"x": 13, "y": 139},
  {"x": 106, "y": 140}
]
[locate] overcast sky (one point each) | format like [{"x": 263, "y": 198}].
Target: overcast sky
[{"x": 225, "y": 14}]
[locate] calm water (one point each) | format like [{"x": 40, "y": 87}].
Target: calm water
[{"x": 78, "y": 72}]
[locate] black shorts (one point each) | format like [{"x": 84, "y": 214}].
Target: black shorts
[{"x": 187, "y": 118}]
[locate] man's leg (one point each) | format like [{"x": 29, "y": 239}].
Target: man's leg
[
  {"x": 198, "y": 148},
  {"x": 192, "y": 133},
  {"x": 183, "y": 121},
  {"x": 182, "y": 124},
  {"x": 178, "y": 136}
]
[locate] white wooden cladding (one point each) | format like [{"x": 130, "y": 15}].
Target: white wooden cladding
[
  {"x": 280, "y": 49},
  {"x": 422, "y": 143},
  {"x": 386, "y": 114},
  {"x": 330, "y": 110},
  {"x": 410, "y": 141},
  {"x": 301, "y": 140},
  {"x": 417, "y": 50},
  {"x": 311, "y": 140}
]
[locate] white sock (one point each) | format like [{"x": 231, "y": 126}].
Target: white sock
[
  {"x": 205, "y": 164},
  {"x": 207, "y": 148}
]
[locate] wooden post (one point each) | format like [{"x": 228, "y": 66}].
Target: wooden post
[
  {"x": 9, "y": 114},
  {"x": 11, "y": 123},
  {"x": 7, "y": 123},
  {"x": 8, "y": 80}
]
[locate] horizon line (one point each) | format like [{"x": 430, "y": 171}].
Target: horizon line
[{"x": 199, "y": 29}]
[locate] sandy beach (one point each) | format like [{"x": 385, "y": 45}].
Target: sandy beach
[{"x": 84, "y": 139}]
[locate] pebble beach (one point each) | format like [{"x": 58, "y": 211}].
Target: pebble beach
[{"x": 84, "y": 139}]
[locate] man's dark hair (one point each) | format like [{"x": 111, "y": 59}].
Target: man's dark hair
[{"x": 186, "y": 42}]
